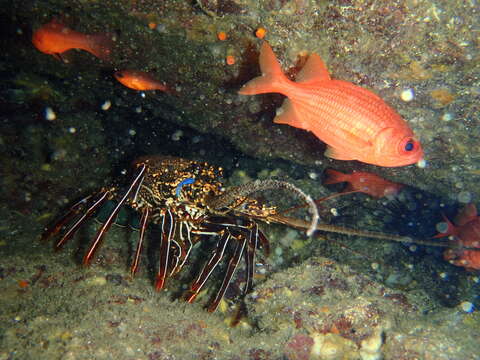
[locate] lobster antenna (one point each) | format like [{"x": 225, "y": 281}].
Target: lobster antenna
[{"x": 229, "y": 197}]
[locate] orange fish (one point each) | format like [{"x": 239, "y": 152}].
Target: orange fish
[
  {"x": 354, "y": 122},
  {"x": 467, "y": 232},
  {"x": 55, "y": 38},
  {"x": 139, "y": 80},
  {"x": 364, "y": 182}
]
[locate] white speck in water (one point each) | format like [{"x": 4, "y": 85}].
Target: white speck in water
[
  {"x": 177, "y": 135},
  {"x": 161, "y": 28},
  {"x": 442, "y": 227},
  {"x": 413, "y": 248},
  {"x": 142, "y": 94},
  {"x": 467, "y": 306},
  {"x": 443, "y": 275},
  {"x": 72, "y": 130},
  {"x": 50, "y": 114},
  {"x": 132, "y": 132},
  {"x": 422, "y": 163},
  {"x": 374, "y": 266},
  {"x": 334, "y": 211},
  {"x": 313, "y": 175},
  {"x": 138, "y": 109},
  {"x": 464, "y": 197},
  {"x": 407, "y": 95},
  {"x": 447, "y": 117},
  {"x": 106, "y": 105}
]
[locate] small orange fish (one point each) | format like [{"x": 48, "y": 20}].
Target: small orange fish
[
  {"x": 139, "y": 80},
  {"x": 367, "y": 183},
  {"x": 355, "y": 123},
  {"x": 55, "y": 38},
  {"x": 467, "y": 232}
]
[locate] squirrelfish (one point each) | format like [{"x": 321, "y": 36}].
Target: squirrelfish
[
  {"x": 365, "y": 182},
  {"x": 354, "y": 122},
  {"x": 55, "y": 38},
  {"x": 466, "y": 230},
  {"x": 139, "y": 80}
]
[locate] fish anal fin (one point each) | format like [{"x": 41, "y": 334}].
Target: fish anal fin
[
  {"x": 313, "y": 70},
  {"x": 286, "y": 114},
  {"x": 337, "y": 154}
]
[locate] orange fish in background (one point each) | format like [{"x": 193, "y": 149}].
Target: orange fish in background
[
  {"x": 355, "y": 123},
  {"x": 367, "y": 183},
  {"x": 466, "y": 230},
  {"x": 55, "y": 38},
  {"x": 139, "y": 80}
]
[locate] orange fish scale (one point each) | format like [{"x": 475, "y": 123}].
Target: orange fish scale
[
  {"x": 355, "y": 123},
  {"x": 342, "y": 109}
]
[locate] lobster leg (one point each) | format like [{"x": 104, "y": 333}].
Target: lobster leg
[
  {"x": 165, "y": 247},
  {"x": 55, "y": 228},
  {"x": 232, "y": 266},
  {"x": 69, "y": 234},
  {"x": 106, "y": 226},
  {"x": 185, "y": 247},
  {"x": 138, "y": 251},
  {"x": 209, "y": 267},
  {"x": 250, "y": 257}
]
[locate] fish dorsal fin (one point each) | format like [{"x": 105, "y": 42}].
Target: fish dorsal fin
[
  {"x": 313, "y": 70},
  {"x": 286, "y": 114},
  {"x": 337, "y": 154}
]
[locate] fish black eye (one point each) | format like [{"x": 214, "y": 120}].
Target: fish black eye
[{"x": 409, "y": 146}]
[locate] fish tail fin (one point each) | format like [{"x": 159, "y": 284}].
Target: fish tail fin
[
  {"x": 272, "y": 80},
  {"x": 451, "y": 229},
  {"x": 101, "y": 46},
  {"x": 334, "y": 177}
]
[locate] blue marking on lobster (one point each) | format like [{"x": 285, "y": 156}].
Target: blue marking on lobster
[{"x": 187, "y": 181}]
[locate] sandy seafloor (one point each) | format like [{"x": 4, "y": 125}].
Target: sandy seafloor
[
  {"x": 68, "y": 128},
  {"x": 317, "y": 309}
]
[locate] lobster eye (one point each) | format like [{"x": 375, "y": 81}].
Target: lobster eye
[{"x": 409, "y": 145}]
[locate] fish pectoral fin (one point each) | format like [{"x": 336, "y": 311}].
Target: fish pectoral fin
[
  {"x": 313, "y": 70},
  {"x": 337, "y": 154},
  {"x": 286, "y": 114}
]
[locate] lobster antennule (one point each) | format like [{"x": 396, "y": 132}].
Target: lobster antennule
[
  {"x": 301, "y": 224},
  {"x": 229, "y": 197}
]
